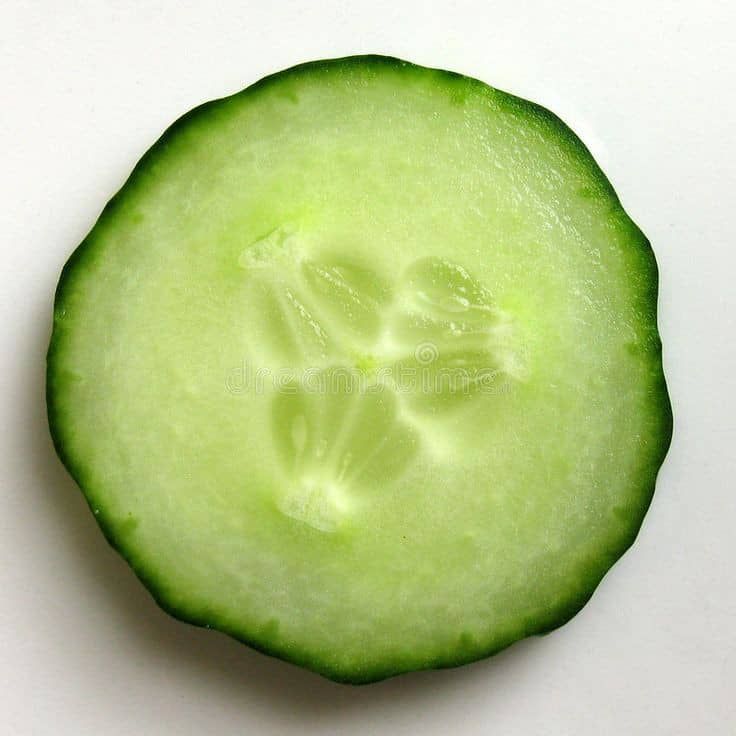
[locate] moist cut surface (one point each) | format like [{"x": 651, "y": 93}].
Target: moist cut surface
[{"x": 361, "y": 367}]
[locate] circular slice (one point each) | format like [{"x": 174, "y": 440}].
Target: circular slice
[{"x": 361, "y": 367}]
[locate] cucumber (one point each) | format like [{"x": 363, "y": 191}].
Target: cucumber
[{"x": 361, "y": 367}]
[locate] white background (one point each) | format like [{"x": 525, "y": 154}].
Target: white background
[{"x": 86, "y": 87}]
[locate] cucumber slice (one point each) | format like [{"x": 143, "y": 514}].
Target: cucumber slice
[{"x": 361, "y": 367}]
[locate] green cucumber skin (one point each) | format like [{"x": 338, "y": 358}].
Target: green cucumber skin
[{"x": 116, "y": 535}]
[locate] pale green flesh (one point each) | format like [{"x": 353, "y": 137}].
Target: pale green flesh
[{"x": 231, "y": 374}]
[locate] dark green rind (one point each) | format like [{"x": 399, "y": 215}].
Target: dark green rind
[{"x": 471, "y": 651}]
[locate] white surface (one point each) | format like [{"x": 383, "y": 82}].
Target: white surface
[{"x": 87, "y": 87}]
